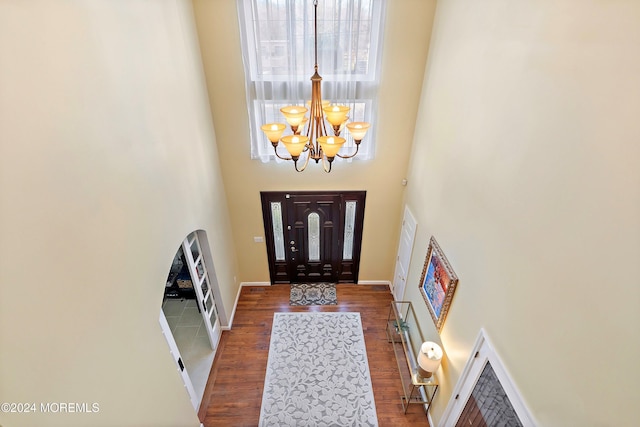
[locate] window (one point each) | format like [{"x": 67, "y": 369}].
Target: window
[
  {"x": 349, "y": 227},
  {"x": 278, "y": 231},
  {"x": 278, "y": 52},
  {"x": 313, "y": 221}
]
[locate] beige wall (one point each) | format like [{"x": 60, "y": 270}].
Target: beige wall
[
  {"x": 107, "y": 161},
  {"x": 408, "y": 25},
  {"x": 526, "y": 170},
  {"x": 524, "y": 167}
]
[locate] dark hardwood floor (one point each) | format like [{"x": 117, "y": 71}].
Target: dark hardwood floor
[{"x": 234, "y": 389}]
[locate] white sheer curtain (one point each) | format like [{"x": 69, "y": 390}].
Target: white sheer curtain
[{"x": 278, "y": 52}]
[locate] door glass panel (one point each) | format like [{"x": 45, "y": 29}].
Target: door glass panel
[
  {"x": 209, "y": 303},
  {"x": 278, "y": 234},
  {"x": 349, "y": 226},
  {"x": 213, "y": 316},
  {"x": 195, "y": 252},
  {"x": 314, "y": 236},
  {"x": 489, "y": 403},
  {"x": 205, "y": 286},
  {"x": 200, "y": 270}
]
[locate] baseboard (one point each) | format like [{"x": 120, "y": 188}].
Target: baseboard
[
  {"x": 235, "y": 304},
  {"x": 255, "y": 284},
  {"x": 375, "y": 282}
]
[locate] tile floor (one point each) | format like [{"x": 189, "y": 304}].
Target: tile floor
[{"x": 187, "y": 326}]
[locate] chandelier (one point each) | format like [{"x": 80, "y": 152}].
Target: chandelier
[{"x": 315, "y": 142}]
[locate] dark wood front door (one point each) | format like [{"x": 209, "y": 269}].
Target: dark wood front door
[
  {"x": 313, "y": 236},
  {"x": 314, "y": 245}
]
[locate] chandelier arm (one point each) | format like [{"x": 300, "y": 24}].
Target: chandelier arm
[
  {"x": 275, "y": 150},
  {"x": 324, "y": 128},
  {"x": 306, "y": 162},
  {"x": 316, "y": 117},
  {"x": 316, "y": 150},
  {"x": 324, "y": 164},
  {"x": 348, "y": 156},
  {"x": 312, "y": 131}
]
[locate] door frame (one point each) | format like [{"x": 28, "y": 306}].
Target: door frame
[
  {"x": 177, "y": 358},
  {"x": 200, "y": 276},
  {"x": 279, "y": 271},
  {"x": 483, "y": 352},
  {"x": 207, "y": 257},
  {"x": 207, "y": 260}
]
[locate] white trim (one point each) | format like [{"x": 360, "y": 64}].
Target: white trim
[
  {"x": 197, "y": 280},
  {"x": 203, "y": 239},
  {"x": 235, "y": 304},
  {"x": 482, "y": 352},
  {"x": 374, "y": 282},
  {"x": 175, "y": 355}
]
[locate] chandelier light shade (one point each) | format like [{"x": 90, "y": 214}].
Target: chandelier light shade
[
  {"x": 273, "y": 131},
  {"x": 295, "y": 144},
  {"x": 315, "y": 144},
  {"x": 358, "y": 130},
  {"x": 331, "y": 145}
]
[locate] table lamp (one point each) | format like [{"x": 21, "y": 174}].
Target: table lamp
[{"x": 429, "y": 359}]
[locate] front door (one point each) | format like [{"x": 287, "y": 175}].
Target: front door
[
  {"x": 313, "y": 236},
  {"x": 315, "y": 244}
]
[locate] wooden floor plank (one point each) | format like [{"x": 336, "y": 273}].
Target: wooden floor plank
[{"x": 234, "y": 389}]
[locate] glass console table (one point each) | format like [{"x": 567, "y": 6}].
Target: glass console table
[{"x": 405, "y": 335}]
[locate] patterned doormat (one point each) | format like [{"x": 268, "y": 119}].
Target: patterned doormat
[
  {"x": 313, "y": 294},
  {"x": 317, "y": 372}
]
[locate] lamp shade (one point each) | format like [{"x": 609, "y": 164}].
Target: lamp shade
[
  {"x": 331, "y": 145},
  {"x": 295, "y": 144},
  {"x": 293, "y": 114},
  {"x": 273, "y": 131},
  {"x": 358, "y": 130},
  {"x": 336, "y": 114},
  {"x": 429, "y": 358}
]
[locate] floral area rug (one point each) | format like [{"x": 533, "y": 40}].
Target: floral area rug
[
  {"x": 313, "y": 294},
  {"x": 317, "y": 372}
]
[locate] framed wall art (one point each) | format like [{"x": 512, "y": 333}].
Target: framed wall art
[{"x": 437, "y": 284}]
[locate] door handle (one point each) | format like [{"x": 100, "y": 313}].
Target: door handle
[{"x": 293, "y": 249}]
